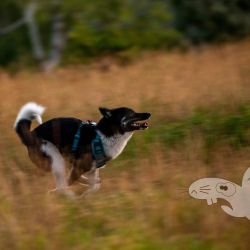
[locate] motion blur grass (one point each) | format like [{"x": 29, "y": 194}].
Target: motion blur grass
[
  {"x": 214, "y": 127},
  {"x": 200, "y": 127}
]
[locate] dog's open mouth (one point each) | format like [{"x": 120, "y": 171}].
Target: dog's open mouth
[
  {"x": 139, "y": 125},
  {"x": 138, "y": 122}
]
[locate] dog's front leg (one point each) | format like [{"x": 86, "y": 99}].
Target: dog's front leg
[
  {"x": 84, "y": 180},
  {"x": 93, "y": 180}
]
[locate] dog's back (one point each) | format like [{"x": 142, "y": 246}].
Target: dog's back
[{"x": 61, "y": 132}]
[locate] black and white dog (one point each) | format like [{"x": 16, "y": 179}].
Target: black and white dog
[{"x": 85, "y": 146}]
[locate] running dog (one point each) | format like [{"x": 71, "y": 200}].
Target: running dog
[{"x": 85, "y": 145}]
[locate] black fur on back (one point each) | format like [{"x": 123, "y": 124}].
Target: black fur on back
[{"x": 61, "y": 132}]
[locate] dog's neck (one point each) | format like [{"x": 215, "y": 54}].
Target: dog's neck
[
  {"x": 114, "y": 141},
  {"x": 107, "y": 128},
  {"x": 114, "y": 145}
]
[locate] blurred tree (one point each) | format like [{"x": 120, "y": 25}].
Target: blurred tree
[
  {"x": 91, "y": 27},
  {"x": 27, "y": 17},
  {"x": 73, "y": 30}
]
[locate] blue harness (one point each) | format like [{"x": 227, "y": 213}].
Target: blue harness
[{"x": 96, "y": 145}]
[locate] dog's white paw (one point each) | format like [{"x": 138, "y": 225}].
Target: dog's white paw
[{"x": 65, "y": 191}]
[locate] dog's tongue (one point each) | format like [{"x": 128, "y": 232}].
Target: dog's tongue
[{"x": 144, "y": 124}]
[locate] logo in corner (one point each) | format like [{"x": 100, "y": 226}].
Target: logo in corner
[{"x": 211, "y": 189}]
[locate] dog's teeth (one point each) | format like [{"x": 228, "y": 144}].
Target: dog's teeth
[{"x": 140, "y": 125}]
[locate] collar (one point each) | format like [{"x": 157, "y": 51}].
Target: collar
[{"x": 96, "y": 145}]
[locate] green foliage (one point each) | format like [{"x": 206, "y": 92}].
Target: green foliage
[
  {"x": 99, "y": 27},
  {"x": 231, "y": 128},
  {"x": 113, "y": 26},
  {"x": 210, "y": 20},
  {"x": 14, "y": 44}
]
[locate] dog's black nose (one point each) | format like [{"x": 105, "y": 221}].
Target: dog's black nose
[{"x": 143, "y": 116}]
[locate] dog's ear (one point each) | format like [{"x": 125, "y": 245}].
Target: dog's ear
[{"x": 105, "y": 112}]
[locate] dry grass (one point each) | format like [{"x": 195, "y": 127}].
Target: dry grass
[{"x": 139, "y": 205}]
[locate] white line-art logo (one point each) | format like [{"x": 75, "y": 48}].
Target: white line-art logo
[{"x": 238, "y": 197}]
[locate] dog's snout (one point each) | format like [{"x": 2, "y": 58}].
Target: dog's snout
[{"x": 145, "y": 116}]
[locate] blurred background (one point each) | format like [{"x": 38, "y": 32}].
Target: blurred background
[{"x": 185, "y": 61}]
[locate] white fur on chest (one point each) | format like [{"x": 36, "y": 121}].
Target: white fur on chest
[{"x": 114, "y": 145}]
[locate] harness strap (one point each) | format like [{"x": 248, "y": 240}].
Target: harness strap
[
  {"x": 96, "y": 145},
  {"x": 77, "y": 137},
  {"x": 98, "y": 151}
]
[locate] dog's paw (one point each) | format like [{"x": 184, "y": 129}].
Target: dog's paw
[
  {"x": 70, "y": 194},
  {"x": 67, "y": 192}
]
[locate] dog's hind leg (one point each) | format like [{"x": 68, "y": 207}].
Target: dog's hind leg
[{"x": 57, "y": 166}]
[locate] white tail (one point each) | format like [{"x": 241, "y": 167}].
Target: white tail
[{"x": 30, "y": 111}]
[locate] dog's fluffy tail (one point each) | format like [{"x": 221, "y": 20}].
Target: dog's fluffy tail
[{"x": 30, "y": 111}]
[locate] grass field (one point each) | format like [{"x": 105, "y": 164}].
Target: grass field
[{"x": 200, "y": 127}]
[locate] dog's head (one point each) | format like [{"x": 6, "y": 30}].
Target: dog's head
[{"x": 124, "y": 119}]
